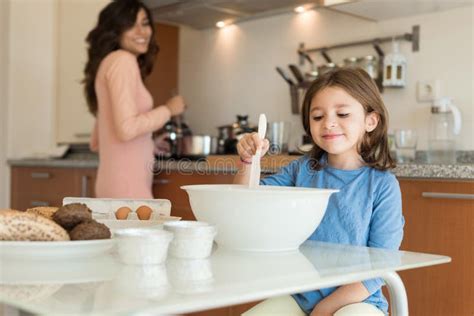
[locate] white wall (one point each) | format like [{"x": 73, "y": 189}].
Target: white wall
[
  {"x": 31, "y": 76},
  {"x": 4, "y": 9},
  {"x": 231, "y": 71}
]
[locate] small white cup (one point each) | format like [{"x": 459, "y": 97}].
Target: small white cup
[
  {"x": 143, "y": 245},
  {"x": 192, "y": 239}
]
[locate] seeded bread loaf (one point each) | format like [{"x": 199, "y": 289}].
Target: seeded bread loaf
[
  {"x": 46, "y": 211},
  {"x": 16, "y": 225}
]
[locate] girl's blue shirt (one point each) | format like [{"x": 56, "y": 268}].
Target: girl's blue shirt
[{"x": 367, "y": 211}]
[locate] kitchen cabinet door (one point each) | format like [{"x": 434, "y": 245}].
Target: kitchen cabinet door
[
  {"x": 167, "y": 186},
  {"x": 85, "y": 178},
  {"x": 38, "y": 186},
  {"x": 441, "y": 224},
  {"x": 163, "y": 80}
]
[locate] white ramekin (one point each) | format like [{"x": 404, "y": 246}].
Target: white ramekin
[
  {"x": 192, "y": 239},
  {"x": 143, "y": 245}
]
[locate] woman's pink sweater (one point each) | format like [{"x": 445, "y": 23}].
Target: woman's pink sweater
[{"x": 122, "y": 133}]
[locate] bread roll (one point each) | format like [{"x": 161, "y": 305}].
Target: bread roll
[
  {"x": 16, "y": 225},
  {"x": 46, "y": 211}
]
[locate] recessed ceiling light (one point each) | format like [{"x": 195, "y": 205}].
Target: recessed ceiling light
[
  {"x": 300, "y": 9},
  {"x": 220, "y": 24}
]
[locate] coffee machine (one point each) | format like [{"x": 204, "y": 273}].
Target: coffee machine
[{"x": 230, "y": 134}]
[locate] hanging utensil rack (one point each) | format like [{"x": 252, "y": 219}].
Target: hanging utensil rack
[{"x": 413, "y": 37}]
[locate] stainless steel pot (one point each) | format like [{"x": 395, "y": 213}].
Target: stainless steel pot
[{"x": 198, "y": 145}]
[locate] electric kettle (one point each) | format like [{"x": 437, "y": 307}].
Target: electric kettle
[{"x": 445, "y": 124}]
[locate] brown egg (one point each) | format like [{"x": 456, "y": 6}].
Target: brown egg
[
  {"x": 122, "y": 212},
  {"x": 144, "y": 212}
]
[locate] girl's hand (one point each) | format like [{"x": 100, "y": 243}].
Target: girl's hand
[
  {"x": 176, "y": 105},
  {"x": 248, "y": 144}
]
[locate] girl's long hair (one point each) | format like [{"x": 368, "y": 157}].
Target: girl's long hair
[
  {"x": 373, "y": 148},
  {"x": 104, "y": 38}
]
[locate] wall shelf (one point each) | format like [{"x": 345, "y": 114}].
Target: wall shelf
[{"x": 413, "y": 37}]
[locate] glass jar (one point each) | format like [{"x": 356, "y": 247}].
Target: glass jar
[
  {"x": 351, "y": 62},
  {"x": 370, "y": 65}
]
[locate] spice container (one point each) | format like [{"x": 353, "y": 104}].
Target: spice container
[
  {"x": 395, "y": 68},
  {"x": 192, "y": 239},
  {"x": 143, "y": 245}
]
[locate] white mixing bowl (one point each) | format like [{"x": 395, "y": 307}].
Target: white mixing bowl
[{"x": 268, "y": 218}]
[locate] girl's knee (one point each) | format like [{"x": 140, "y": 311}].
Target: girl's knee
[
  {"x": 359, "y": 309},
  {"x": 281, "y": 305}
]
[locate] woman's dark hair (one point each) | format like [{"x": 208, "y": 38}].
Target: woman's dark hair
[
  {"x": 373, "y": 148},
  {"x": 116, "y": 18}
]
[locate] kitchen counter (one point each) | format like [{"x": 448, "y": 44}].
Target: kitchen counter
[
  {"x": 270, "y": 164},
  {"x": 103, "y": 286}
]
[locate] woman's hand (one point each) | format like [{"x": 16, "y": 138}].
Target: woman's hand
[
  {"x": 248, "y": 144},
  {"x": 176, "y": 105},
  {"x": 162, "y": 146}
]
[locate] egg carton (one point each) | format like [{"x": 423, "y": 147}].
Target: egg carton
[{"x": 105, "y": 208}]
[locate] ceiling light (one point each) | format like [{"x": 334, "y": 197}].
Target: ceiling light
[
  {"x": 220, "y": 24},
  {"x": 300, "y": 9},
  {"x": 304, "y": 8}
]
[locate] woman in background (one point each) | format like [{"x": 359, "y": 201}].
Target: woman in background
[{"x": 121, "y": 53}]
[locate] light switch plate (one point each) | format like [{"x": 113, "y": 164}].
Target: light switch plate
[{"x": 428, "y": 90}]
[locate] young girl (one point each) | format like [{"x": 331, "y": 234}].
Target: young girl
[{"x": 347, "y": 121}]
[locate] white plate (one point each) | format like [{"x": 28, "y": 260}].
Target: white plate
[{"x": 55, "y": 249}]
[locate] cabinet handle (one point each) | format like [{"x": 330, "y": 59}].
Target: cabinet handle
[
  {"x": 84, "y": 185},
  {"x": 82, "y": 135},
  {"x": 38, "y": 203},
  {"x": 454, "y": 196},
  {"x": 40, "y": 175},
  {"x": 161, "y": 181}
]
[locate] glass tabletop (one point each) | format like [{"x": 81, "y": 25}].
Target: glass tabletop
[{"x": 103, "y": 285}]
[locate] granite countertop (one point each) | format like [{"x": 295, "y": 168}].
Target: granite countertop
[{"x": 463, "y": 170}]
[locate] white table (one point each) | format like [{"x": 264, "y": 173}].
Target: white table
[{"x": 102, "y": 285}]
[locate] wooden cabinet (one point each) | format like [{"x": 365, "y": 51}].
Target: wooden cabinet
[
  {"x": 435, "y": 223},
  {"x": 37, "y": 186},
  {"x": 163, "y": 81},
  {"x": 167, "y": 186}
]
